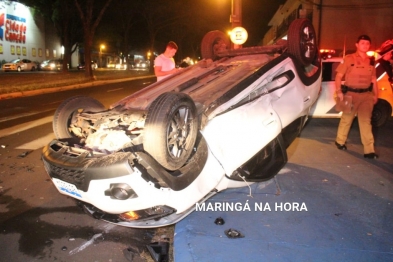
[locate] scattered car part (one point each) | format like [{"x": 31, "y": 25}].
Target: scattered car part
[
  {"x": 219, "y": 221},
  {"x": 233, "y": 233}
]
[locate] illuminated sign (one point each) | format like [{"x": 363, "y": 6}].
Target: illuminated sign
[
  {"x": 239, "y": 35},
  {"x": 15, "y": 29}
]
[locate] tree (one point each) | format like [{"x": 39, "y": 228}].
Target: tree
[
  {"x": 160, "y": 15},
  {"x": 118, "y": 23},
  {"x": 68, "y": 27},
  {"x": 90, "y": 14}
]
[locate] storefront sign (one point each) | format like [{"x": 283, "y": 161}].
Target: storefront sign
[{"x": 15, "y": 29}]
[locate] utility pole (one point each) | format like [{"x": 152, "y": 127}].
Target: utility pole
[{"x": 236, "y": 17}]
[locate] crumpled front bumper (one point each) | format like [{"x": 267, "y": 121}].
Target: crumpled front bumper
[{"x": 128, "y": 188}]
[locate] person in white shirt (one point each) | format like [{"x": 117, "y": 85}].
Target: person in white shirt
[{"x": 164, "y": 64}]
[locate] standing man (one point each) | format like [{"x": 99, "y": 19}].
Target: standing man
[
  {"x": 361, "y": 84},
  {"x": 164, "y": 64}
]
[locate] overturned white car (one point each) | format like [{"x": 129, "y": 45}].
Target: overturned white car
[{"x": 224, "y": 122}]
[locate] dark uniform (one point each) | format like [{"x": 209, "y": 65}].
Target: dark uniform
[{"x": 358, "y": 73}]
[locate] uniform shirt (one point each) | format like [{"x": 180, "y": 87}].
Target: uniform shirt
[
  {"x": 358, "y": 71},
  {"x": 166, "y": 64}
]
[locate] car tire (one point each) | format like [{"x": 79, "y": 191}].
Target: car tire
[
  {"x": 213, "y": 42},
  {"x": 33, "y": 68},
  {"x": 302, "y": 41},
  {"x": 19, "y": 69},
  {"x": 66, "y": 112},
  {"x": 171, "y": 128},
  {"x": 381, "y": 113}
]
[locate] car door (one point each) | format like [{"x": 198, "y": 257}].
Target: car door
[
  {"x": 324, "y": 107},
  {"x": 247, "y": 126}
]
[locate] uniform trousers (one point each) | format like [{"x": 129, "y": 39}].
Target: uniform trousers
[{"x": 363, "y": 104}]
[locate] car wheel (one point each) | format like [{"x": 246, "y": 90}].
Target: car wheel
[
  {"x": 33, "y": 68},
  {"x": 66, "y": 114},
  {"x": 171, "y": 129},
  {"x": 302, "y": 41},
  {"x": 381, "y": 113},
  {"x": 212, "y": 43},
  {"x": 19, "y": 69}
]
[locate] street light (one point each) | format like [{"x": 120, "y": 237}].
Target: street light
[{"x": 102, "y": 47}]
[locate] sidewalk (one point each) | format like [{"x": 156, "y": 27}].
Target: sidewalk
[
  {"x": 68, "y": 87},
  {"x": 347, "y": 205}
]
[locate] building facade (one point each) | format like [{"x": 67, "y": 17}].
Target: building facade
[
  {"x": 337, "y": 23},
  {"x": 24, "y": 35}
]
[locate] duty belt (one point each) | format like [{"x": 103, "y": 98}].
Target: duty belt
[{"x": 356, "y": 90}]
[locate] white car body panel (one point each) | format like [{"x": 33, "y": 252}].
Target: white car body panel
[{"x": 238, "y": 142}]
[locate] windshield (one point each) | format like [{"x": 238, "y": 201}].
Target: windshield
[{"x": 15, "y": 61}]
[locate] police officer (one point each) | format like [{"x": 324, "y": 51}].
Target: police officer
[{"x": 361, "y": 85}]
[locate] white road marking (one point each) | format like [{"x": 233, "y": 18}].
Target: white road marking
[
  {"x": 107, "y": 228},
  {"x": 23, "y": 115},
  {"x": 112, "y": 90},
  {"x": 38, "y": 143},
  {"x": 25, "y": 126},
  {"x": 85, "y": 245}
]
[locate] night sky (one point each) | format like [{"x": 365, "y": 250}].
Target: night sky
[
  {"x": 210, "y": 15},
  {"x": 256, "y": 15}
]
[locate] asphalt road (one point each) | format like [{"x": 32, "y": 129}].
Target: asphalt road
[{"x": 37, "y": 223}]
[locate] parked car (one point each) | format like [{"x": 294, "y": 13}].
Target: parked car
[
  {"x": 149, "y": 159},
  {"x": 55, "y": 64},
  {"x": 20, "y": 65},
  {"x": 140, "y": 65},
  {"x": 94, "y": 66},
  {"x": 114, "y": 65},
  {"x": 325, "y": 106}
]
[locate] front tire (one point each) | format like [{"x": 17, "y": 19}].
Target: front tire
[
  {"x": 171, "y": 129},
  {"x": 66, "y": 114},
  {"x": 381, "y": 113}
]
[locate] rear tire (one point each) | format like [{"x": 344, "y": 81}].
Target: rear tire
[
  {"x": 171, "y": 129},
  {"x": 66, "y": 114},
  {"x": 214, "y": 42},
  {"x": 302, "y": 41},
  {"x": 381, "y": 113}
]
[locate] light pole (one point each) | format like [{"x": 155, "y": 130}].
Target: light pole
[
  {"x": 236, "y": 17},
  {"x": 102, "y": 47}
]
